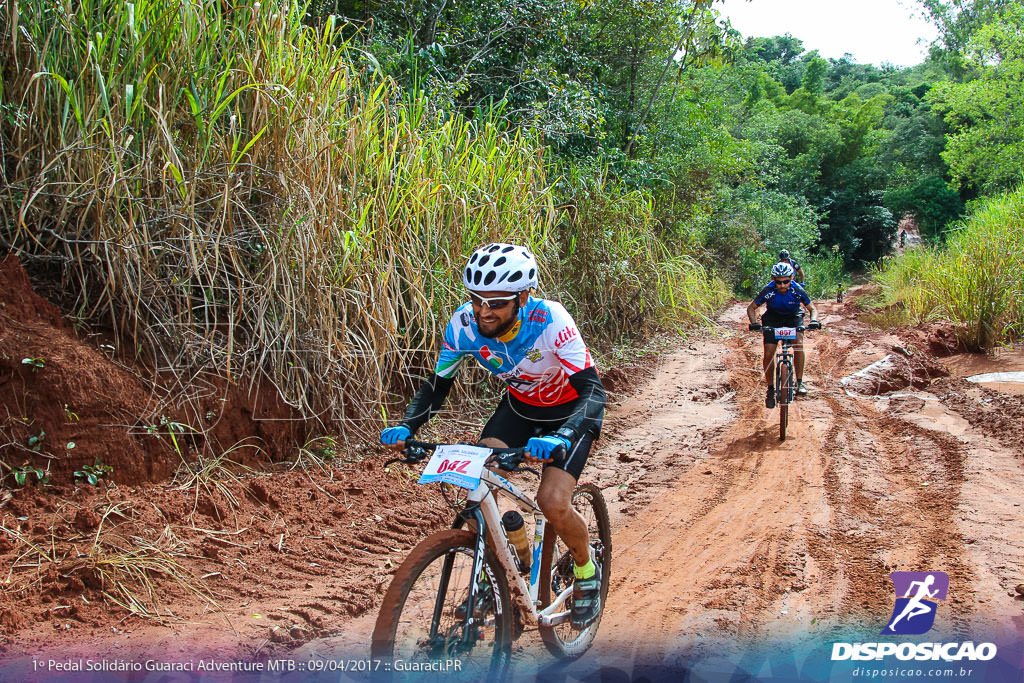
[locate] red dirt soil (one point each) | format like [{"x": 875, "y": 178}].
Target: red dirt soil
[
  {"x": 916, "y": 472},
  {"x": 301, "y": 548}
]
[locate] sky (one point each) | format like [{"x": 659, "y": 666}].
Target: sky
[{"x": 874, "y": 31}]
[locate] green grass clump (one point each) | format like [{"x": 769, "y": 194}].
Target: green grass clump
[
  {"x": 903, "y": 283},
  {"x": 976, "y": 280}
]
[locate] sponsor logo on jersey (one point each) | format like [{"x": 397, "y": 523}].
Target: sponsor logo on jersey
[
  {"x": 534, "y": 355},
  {"x": 538, "y": 315},
  {"x": 490, "y": 357},
  {"x": 565, "y": 336},
  {"x": 465, "y": 318}
]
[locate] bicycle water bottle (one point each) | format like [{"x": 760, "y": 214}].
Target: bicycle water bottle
[{"x": 516, "y": 532}]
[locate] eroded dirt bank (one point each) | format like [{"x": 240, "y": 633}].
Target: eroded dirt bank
[{"x": 721, "y": 532}]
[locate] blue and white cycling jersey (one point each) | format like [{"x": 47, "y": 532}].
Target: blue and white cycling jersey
[
  {"x": 535, "y": 358},
  {"x": 786, "y": 303}
]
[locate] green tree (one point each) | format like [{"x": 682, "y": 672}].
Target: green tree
[
  {"x": 932, "y": 203},
  {"x": 958, "y": 21},
  {"x": 985, "y": 116},
  {"x": 814, "y": 76}
]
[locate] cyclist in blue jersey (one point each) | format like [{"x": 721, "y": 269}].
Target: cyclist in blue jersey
[
  {"x": 782, "y": 298},
  {"x": 555, "y": 397}
]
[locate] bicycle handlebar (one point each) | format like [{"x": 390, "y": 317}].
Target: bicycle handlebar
[
  {"x": 770, "y": 329},
  {"x": 508, "y": 459}
]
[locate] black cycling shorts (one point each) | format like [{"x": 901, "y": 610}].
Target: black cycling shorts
[
  {"x": 779, "y": 320},
  {"x": 515, "y": 422}
]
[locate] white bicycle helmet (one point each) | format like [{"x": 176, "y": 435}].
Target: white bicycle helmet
[
  {"x": 500, "y": 267},
  {"x": 782, "y": 270}
]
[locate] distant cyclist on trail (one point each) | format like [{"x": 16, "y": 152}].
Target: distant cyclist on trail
[
  {"x": 783, "y": 299},
  {"x": 797, "y": 270},
  {"x": 555, "y": 396}
]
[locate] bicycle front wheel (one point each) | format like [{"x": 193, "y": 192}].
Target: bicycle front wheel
[
  {"x": 556, "y": 565},
  {"x": 785, "y": 397},
  {"x": 424, "y": 615}
]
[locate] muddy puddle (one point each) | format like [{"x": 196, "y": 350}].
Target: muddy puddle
[{"x": 1002, "y": 370}]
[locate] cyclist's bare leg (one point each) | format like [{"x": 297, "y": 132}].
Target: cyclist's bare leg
[
  {"x": 798, "y": 356},
  {"x": 555, "y": 500},
  {"x": 769, "y": 364}
]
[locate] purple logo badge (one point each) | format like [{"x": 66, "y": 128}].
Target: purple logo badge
[{"x": 917, "y": 596}]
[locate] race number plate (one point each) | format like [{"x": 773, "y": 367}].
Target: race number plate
[
  {"x": 785, "y": 333},
  {"x": 456, "y": 464}
]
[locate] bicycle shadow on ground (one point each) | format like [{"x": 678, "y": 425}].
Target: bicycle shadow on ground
[{"x": 762, "y": 439}]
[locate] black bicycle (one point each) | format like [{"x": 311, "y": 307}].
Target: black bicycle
[{"x": 785, "y": 376}]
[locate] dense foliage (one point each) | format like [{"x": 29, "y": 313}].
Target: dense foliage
[
  {"x": 231, "y": 191},
  {"x": 308, "y": 177}
]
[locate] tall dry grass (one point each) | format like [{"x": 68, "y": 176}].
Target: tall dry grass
[{"x": 225, "y": 187}]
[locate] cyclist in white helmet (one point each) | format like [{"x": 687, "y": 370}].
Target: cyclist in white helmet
[
  {"x": 782, "y": 298},
  {"x": 555, "y": 398}
]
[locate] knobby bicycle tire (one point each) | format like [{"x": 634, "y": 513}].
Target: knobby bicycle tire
[
  {"x": 785, "y": 396},
  {"x": 564, "y": 640},
  {"x": 489, "y": 657}
]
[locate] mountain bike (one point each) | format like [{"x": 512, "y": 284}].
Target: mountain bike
[
  {"x": 785, "y": 377},
  {"x": 466, "y": 593}
]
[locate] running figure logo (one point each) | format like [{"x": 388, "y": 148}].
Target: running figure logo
[{"x": 917, "y": 594}]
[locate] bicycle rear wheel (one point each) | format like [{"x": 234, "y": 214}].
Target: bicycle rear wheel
[
  {"x": 424, "y": 613},
  {"x": 556, "y": 563}
]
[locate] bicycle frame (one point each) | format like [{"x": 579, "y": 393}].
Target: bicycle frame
[
  {"x": 483, "y": 508},
  {"x": 784, "y": 356}
]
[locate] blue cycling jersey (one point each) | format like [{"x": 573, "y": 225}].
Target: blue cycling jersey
[{"x": 786, "y": 303}]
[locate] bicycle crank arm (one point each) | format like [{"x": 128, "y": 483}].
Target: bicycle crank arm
[
  {"x": 551, "y": 617},
  {"x": 555, "y": 619}
]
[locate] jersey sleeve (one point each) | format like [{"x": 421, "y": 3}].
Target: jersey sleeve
[
  {"x": 762, "y": 296},
  {"x": 564, "y": 337},
  {"x": 451, "y": 356},
  {"x": 801, "y": 294}
]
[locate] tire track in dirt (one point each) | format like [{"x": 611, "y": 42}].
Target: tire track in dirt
[
  {"x": 722, "y": 534},
  {"x": 753, "y": 538}
]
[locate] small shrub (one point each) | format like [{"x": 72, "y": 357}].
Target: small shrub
[{"x": 93, "y": 473}]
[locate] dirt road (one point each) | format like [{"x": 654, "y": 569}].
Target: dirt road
[
  {"x": 722, "y": 534},
  {"x": 738, "y": 536}
]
